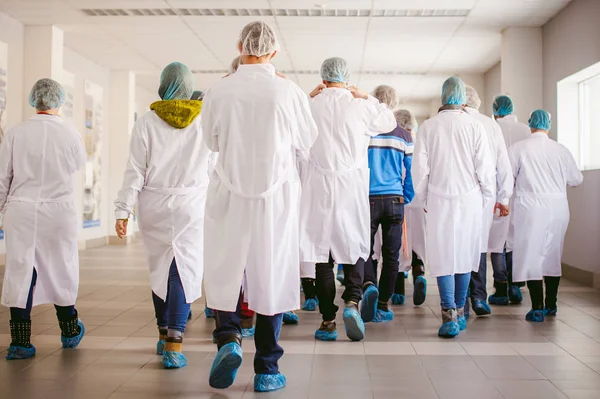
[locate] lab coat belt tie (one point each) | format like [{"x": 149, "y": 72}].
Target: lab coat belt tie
[
  {"x": 175, "y": 191},
  {"x": 541, "y": 196},
  {"x": 265, "y": 194},
  {"x": 338, "y": 173},
  {"x": 39, "y": 200}
]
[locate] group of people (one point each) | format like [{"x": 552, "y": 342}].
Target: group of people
[{"x": 258, "y": 190}]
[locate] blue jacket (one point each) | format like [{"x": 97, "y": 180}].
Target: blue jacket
[{"x": 390, "y": 160}]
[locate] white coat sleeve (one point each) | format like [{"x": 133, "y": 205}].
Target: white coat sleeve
[
  {"x": 574, "y": 175},
  {"x": 209, "y": 127},
  {"x": 484, "y": 167},
  {"x": 135, "y": 173},
  {"x": 378, "y": 117},
  {"x": 505, "y": 181},
  {"x": 420, "y": 169},
  {"x": 304, "y": 129},
  {"x": 77, "y": 152},
  {"x": 6, "y": 167}
]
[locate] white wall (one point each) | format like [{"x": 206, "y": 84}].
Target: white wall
[
  {"x": 12, "y": 32},
  {"x": 143, "y": 99},
  {"x": 493, "y": 87},
  {"x": 571, "y": 43}
]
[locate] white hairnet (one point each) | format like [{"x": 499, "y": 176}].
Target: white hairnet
[
  {"x": 405, "y": 119},
  {"x": 335, "y": 70},
  {"x": 473, "y": 100},
  {"x": 258, "y": 39},
  {"x": 235, "y": 64},
  {"x": 46, "y": 94},
  {"x": 387, "y": 95}
]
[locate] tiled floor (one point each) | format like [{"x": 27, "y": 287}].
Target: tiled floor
[{"x": 501, "y": 356}]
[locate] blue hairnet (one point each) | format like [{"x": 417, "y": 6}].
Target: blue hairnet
[
  {"x": 540, "y": 120},
  {"x": 176, "y": 82},
  {"x": 46, "y": 94},
  {"x": 335, "y": 70},
  {"x": 503, "y": 106},
  {"x": 453, "y": 92}
]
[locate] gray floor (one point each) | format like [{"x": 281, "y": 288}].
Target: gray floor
[{"x": 501, "y": 356}]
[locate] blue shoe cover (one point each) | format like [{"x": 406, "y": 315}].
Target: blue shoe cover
[
  {"x": 514, "y": 294},
  {"x": 248, "y": 332},
  {"x": 398, "y": 299},
  {"x": 174, "y": 360},
  {"x": 368, "y": 305},
  {"x": 19, "y": 352},
  {"x": 449, "y": 330},
  {"x": 536, "y": 316},
  {"x": 381, "y": 316},
  {"x": 326, "y": 335},
  {"x": 209, "y": 313},
  {"x": 225, "y": 366},
  {"x": 340, "y": 276},
  {"x": 462, "y": 322},
  {"x": 481, "y": 308},
  {"x": 355, "y": 328},
  {"x": 160, "y": 347},
  {"x": 269, "y": 382},
  {"x": 406, "y": 274},
  {"x": 290, "y": 318},
  {"x": 498, "y": 300},
  {"x": 71, "y": 343},
  {"x": 310, "y": 305},
  {"x": 550, "y": 312},
  {"x": 420, "y": 292}
]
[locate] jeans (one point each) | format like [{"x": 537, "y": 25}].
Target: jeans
[
  {"x": 172, "y": 313},
  {"x": 453, "y": 290},
  {"x": 325, "y": 286},
  {"x": 63, "y": 313},
  {"x": 268, "y": 351},
  {"x": 479, "y": 278},
  {"x": 387, "y": 211}
]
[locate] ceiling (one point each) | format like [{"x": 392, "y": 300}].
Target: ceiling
[{"x": 404, "y": 43}]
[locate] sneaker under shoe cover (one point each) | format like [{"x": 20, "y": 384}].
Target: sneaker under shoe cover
[
  {"x": 355, "y": 328},
  {"x": 225, "y": 366},
  {"x": 450, "y": 327},
  {"x": 536, "y": 316},
  {"x": 498, "y": 300},
  {"x": 550, "y": 312},
  {"x": 481, "y": 308},
  {"x": 290, "y": 318},
  {"x": 461, "y": 319},
  {"x": 15, "y": 352},
  {"x": 73, "y": 342},
  {"x": 420, "y": 291},
  {"x": 514, "y": 294},
  {"x": 310, "y": 305},
  {"x": 327, "y": 332},
  {"x": 368, "y": 305},
  {"x": 248, "y": 332},
  {"x": 209, "y": 313},
  {"x": 269, "y": 382},
  {"x": 383, "y": 316},
  {"x": 398, "y": 299}
]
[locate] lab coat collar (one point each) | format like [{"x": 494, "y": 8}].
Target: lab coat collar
[
  {"x": 452, "y": 108},
  {"x": 336, "y": 91},
  {"x": 539, "y": 134},
  {"x": 45, "y": 117},
  {"x": 511, "y": 118},
  {"x": 471, "y": 111},
  {"x": 267, "y": 69}
]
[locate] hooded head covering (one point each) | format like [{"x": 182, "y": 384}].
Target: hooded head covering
[{"x": 176, "y": 82}]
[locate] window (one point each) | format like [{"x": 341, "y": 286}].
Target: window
[{"x": 578, "y": 116}]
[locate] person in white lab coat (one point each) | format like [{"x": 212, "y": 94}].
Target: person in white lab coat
[
  {"x": 38, "y": 159},
  {"x": 413, "y": 255},
  {"x": 501, "y": 242},
  {"x": 258, "y": 123},
  {"x": 453, "y": 178},
  {"x": 335, "y": 217},
  {"x": 503, "y": 191},
  {"x": 167, "y": 176},
  {"x": 543, "y": 169}
]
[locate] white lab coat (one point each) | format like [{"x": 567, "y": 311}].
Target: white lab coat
[
  {"x": 335, "y": 213},
  {"x": 257, "y": 122},
  {"x": 167, "y": 175},
  {"x": 454, "y": 177},
  {"x": 501, "y": 233},
  {"x": 504, "y": 178},
  {"x": 414, "y": 217},
  {"x": 543, "y": 169},
  {"x": 37, "y": 161}
]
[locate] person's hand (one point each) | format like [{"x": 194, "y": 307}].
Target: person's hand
[
  {"x": 280, "y": 75},
  {"x": 225, "y": 76},
  {"x": 121, "y": 227},
  {"x": 503, "y": 210},
  {"x": 317, "y": 90},
  {"x": 358, "y": 93}
]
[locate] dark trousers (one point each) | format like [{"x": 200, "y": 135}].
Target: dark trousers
[
  {"x": 172, "y": 313},
  {"x": 418, "y": 269},
  {"x": 63, "y": 313},
  {"x": 268, "y": 351},
  {"x": 325, "y": 286},
  {"x": 477, "y": 286},
  {"x": 536, "y": 291},
  {"x": 387, "y": 211},
  {"x": 308, "y": 286}
]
